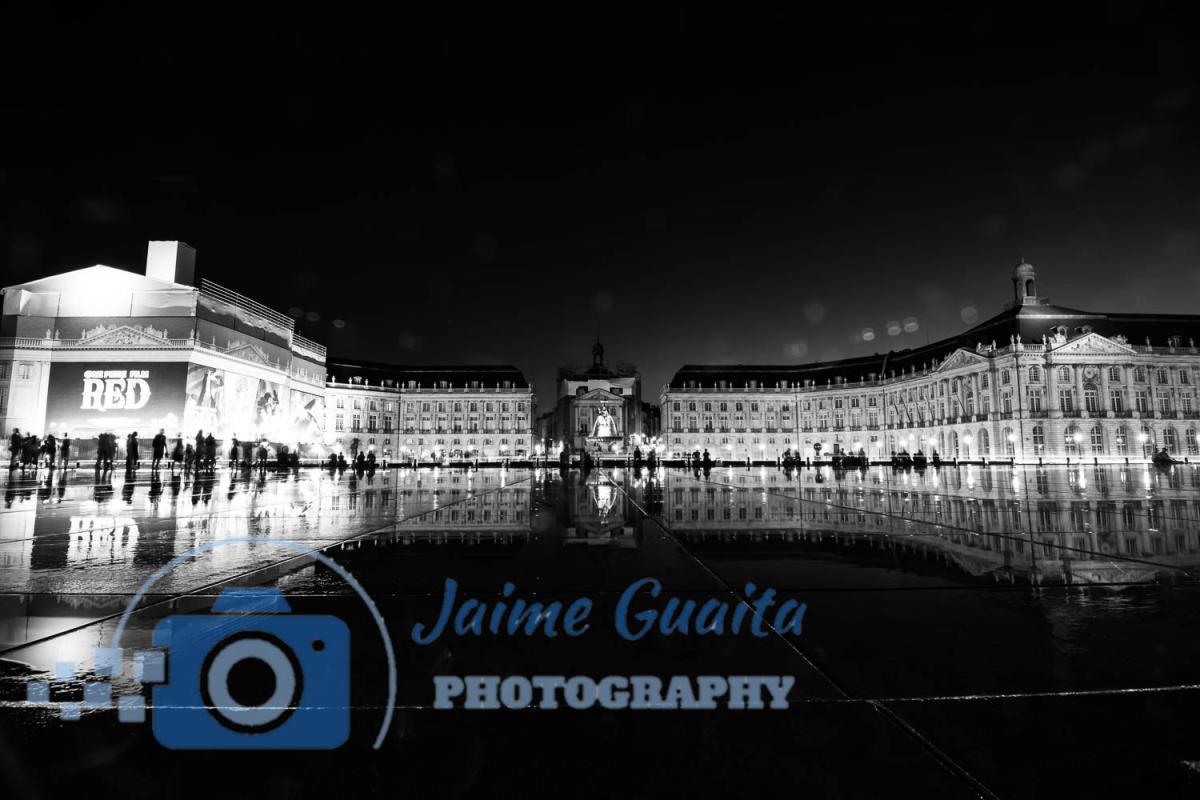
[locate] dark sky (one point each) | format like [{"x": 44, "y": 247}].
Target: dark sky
[{"x": 692, "y": 186}]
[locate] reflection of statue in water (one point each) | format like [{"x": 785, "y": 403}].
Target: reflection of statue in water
[
  {"x": 605, "y": 425},
  {"x": 603, "y": 497}
]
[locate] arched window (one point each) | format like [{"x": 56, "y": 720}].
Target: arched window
[
  {"x": 1010, "y": 443},
  {"x": 954, "y": 444},
  {"x": 1193, "y": 446},
  {"x": 985, "y": 445},
  {"x": 1097, "y": 440},
  {"x": 1121, "y": 441},
  {"x": 1071, "y": 440},
  {"x": 1147, "y": 439},
  {"x": 1039, "y": 440}
]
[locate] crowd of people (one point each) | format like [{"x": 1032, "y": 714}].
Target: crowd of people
[
  {"x": 30, "y": 452},
  {"x": 200, "y": 455}
]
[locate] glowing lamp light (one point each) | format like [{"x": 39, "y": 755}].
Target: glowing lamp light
[
  {"x": 1078, "y": 437},
  {"x": 967, "y": 439},
  {"x": 1012, "y": 437},
  {"x": 1142, "y": 437}
]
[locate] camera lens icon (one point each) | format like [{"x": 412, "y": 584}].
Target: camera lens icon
[
  {"x": 252, "y": 675},
  {"x": 251, "y": 682}
]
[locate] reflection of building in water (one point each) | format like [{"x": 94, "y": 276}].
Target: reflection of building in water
[
  {"x": 439, "y": 505},
  {"x": 1100, "y": 527},
  {"x": 400, "y": 412},
  {"x": 1036, "y": 381},
  {"x": 101, "y": 349},
  {"x": 599, "y": 512}
]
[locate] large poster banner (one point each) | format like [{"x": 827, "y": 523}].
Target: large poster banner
[
  {"x": 308, "y": 417},
  {"x": 86, "y": 399},
  {"x": 229, "y": 404}
]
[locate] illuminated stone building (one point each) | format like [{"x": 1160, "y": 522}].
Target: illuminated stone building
[
  {"x": 429, "y": 412},
  {"x": 1037, "y": 381},
  {"x": 598, "y": 408},
  {"x": 102, "y": 349}
]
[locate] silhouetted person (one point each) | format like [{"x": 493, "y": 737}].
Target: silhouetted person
[
  {"x": 158, "y": 449},
  {"x": 210, "y": 452},
  {"x": 14, "y": 448},
  {"x": 177, "y": 455},
  {"x": 50, "y": 448},
  {"x": 235, "y": 452},
  {"x": 66, "y": 448},
  {"x": 131, "y": 451},
  {"x": 189, "y": 459}
]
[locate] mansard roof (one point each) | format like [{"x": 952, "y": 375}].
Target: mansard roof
[
  {"x": 426, "y": 375},
  {"x": 1031, "y": 322}
]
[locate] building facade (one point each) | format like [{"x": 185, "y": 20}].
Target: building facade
[
  {"x": 105, "y": 350},
  {"x": 597, "y": 408},
  {"x": 428, "y": 413},
  {"x": 1036, "y": 382}
]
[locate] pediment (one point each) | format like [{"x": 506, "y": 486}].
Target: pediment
[
  {"x": 600, "y": 395},
  {"x": 248, "y": 352},
  {"x": 124, "y": 336},
  {"x": 1090, "y": 344},
  {"x": 961, "y": 358}
]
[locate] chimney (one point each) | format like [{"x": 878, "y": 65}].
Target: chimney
[{"x": 171, "y": 261}]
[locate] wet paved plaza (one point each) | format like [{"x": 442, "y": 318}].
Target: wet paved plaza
[{"x": 969, "y": 632}]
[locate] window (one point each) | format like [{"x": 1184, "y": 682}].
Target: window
[
  {"x": 1183, "y": 377},
  {"x": 1039, "y": 440},
  {"x": 24, "y": 371},
  {"x": 1193, "y": 446},
  {"x": 983, "y": 381},
  {"x": 1064, "y": 374},
  {"x": 1121, "y": 440},
  {"x": 1091, "y": 400},
  {"x": 341, "y": 402},
  {"x": 1139, "y": 374},
  {"x": 358, "y": 402},
  {"x": 1035, "y": 375},
  {"x": 1066, "y": 399},
  {"x": 1116, "y": 399},
  {"x": 1071, "y": 441},
  {"x": 1035, "y": 399},
  {"x": 1164, "y": 401},
  {"x": 1114, "y": 373},
  {"x": 1005, "y": 378},
  {"x": 1142, "y": 400},
  {"x": 1162, "y": 376},
  {"x": 1185, "y": 402},
  {"x": 1097, "y": 439},
  {"x": 339, "y": 422}
]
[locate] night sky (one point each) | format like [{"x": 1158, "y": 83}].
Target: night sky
[{"x": 725, "y": 186}]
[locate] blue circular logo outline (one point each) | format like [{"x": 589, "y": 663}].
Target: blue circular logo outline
[{"x": 296, "y": 546}]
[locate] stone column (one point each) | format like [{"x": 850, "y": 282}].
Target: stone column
[
  {"x": 1051, "y": 384},
  {"x": 1079, "y": 386},
  {"x": 1105, "y": 402}
]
